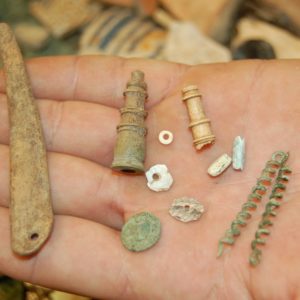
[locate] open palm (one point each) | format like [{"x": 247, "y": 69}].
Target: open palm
[{"x": 79, "y": 100}]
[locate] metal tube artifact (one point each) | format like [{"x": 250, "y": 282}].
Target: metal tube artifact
[{"x": 129, "y": 153}]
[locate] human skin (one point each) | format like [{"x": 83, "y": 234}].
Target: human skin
[{"x": 78, "y": 99}]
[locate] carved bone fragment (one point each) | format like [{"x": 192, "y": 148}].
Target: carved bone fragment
[
  {"x": 200, "y": 124},
  {"x": 30, "y": 204},
  {"x": 219, "y": 165}
]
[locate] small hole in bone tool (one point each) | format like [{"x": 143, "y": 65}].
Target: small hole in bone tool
[
  {"x": 34, "y": 236},
  {"x": 166, "y": 136}
]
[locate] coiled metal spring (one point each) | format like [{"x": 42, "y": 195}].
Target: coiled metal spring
[
  {"x": 273, "y": 203},
  {"x": 257, "y": 192}
]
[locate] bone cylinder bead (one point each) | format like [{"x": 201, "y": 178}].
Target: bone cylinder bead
[
  {"x": 199, "y": 123},
  {"x": 129, "y": 153}
]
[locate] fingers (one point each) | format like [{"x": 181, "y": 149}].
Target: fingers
[
  {"x": 78, "y": 188},
  {"x": 81, "y": 129},
  {"x": 98, "y": 79},
  {"x": 80, "y": 256}
]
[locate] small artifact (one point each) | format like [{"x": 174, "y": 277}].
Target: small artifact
[
  {"x": 256, "y": 195},
  {"x": 129, "y": 153},
  {"x": 187, "y": 45},
  {"x": 31, "y": 213},
  {"x": 273, "y": 203},
  {"x": 159, "y": 179},
  {"x": 186, "y": 209},
  {"x": 284, "y": 43},
  {"x": 35, "y": 292},
  {"x": 141, "y": 232},
  {"x": 215, "y": 19},
  {"x": 139, "y": 35},
  {"x": 238, "y": 153},
  {"x": 219, "y": 165},
  {"x": 200, "y": 124},
  {"x": 63, "y": 17},
  {"x": 254, "y": 49},
  {"x": 165, "y": 137},
  {"x": 31, "y": 36},
  {"x": 11, "y": 289}
]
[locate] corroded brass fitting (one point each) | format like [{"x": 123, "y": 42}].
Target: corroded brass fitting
[
  {"x": 200, "y": 124},
  {"x": 129, "y": 154}
]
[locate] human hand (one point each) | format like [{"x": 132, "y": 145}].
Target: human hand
[{"x": 78, "y": 98}]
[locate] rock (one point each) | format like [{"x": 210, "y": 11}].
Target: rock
[
  {"x": 254, "y": 49},
  {"x": 284, "y": 12},
  {"x": 35, "y": 292},
  {"x": 213, "y": 18},
  {"x": 285, "y": 44},
  {"x": 33, "y": 37},
  {"x": 62, "y": 17},
  {"x": 145, "y": 6},
  {"x": 120, "y": 31},
  {"x": 64, "y": 296},
  {"x": 185, "y": 44},
  {"x": 11, "y": 289}
]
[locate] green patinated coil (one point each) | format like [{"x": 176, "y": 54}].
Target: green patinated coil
[
  {"x": 271, "y": 168},
  {"x": 272, "y": 204}
]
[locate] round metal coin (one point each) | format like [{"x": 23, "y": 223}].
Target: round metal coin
[{"x": 141, "y": 232}]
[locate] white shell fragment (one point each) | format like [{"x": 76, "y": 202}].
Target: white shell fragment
[
  {"x": 186, "y": 209},
  {"x": 159, "y": 179},
  {"x": 238, "y": 153},
  {"x": 219, "y": 165},
  {"x": 165, "y": 137}
]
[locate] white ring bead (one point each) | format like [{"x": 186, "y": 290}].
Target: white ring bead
[{"x": 163, "y": 139}]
